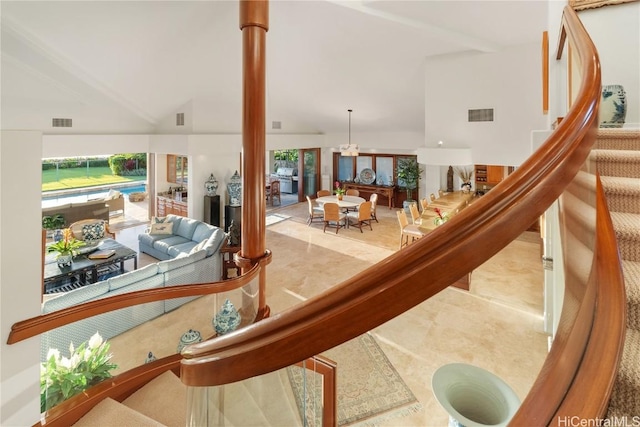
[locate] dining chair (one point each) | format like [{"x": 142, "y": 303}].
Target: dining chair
[
  {"x": 322, "y": 193},
  {"x": 274, "y": 192},
  {"x": 333, "y": 215},
  {"x": 362, "y": 216},
  {"x": 432, "y": 197},
  {"x": 315, "y": 211},
  {"x": 440, "y": 193},
  {"x": 352, "y": 192},
  {"x": 407, "y": 230},
  {"x": 424, "y": 204},
  {"x": 374, "y": 205},
  {"x": 415, "y": 214}
]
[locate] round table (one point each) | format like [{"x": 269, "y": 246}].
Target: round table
[{"x": 347, "y": 202}]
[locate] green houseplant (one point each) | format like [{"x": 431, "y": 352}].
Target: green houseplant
[
  {"x": 408, "y": 173},
  {"x": 62, "y": 377},
  {"x": 66, "y": 247}
]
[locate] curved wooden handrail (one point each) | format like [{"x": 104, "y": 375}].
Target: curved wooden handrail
[
  {"x": 411, "y": 276},
  {"x": 37, "y": 325}
]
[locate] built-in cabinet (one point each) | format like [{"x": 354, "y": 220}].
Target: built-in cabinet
[
  {"x": 166, "y": 205},
  {"x": 355, "y": 172},
  {"x": 177, "y": 169},
  {"x": 488, "y": 175}
]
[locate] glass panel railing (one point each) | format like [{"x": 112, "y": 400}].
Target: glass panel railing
[
  {"x": 132, "y": 336},
  {"x": 299, "y": 395}
]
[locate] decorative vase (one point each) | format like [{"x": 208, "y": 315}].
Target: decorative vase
[
  {"x": 234, "y": 187},
  {"x": 150, "y": 358},
  {"x": 189, "y": 337},
  {"x": 57, "y": 235},
  {"x": 227, "y": 319},
  {"x": 473, "y": 396},
  {"x": 64, "y": 259},
  {"x": 211, "y": 185},
  {"x": 613, "y": 106},
  {"x": 466, "y": 187},
  {"x": 340, "y": 196}
]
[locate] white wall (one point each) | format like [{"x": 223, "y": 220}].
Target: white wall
[
  {"x": 615, "y": 30},
  {"x": 20, "y": 273},
  {"x": 509, "y": 81},
  {"x": 92, "y": 145}
]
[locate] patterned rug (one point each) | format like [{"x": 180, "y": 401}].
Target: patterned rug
[
  {"x": 275, "y": 218},
  {"x": 370, "y": 390}
]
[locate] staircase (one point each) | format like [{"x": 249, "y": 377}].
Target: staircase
[
  {"x": 262, "y": 401},
  {"x": 617, "y": 156}
]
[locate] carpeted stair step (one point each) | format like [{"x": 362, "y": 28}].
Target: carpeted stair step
[
  {"x": 625, "y": 398},
  {"x": 631, "y": 272},
  {"x": 623, "y": 193},
  {"x": 627, "y": 228},
  {"x": 618, "y": 139},
  {"x": 164, "y": 399},
  {"x": 624, "y": 163},
  {"x": 112, "y": 413}
]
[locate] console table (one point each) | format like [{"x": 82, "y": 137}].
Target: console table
[{"x": 382, "y": 190}]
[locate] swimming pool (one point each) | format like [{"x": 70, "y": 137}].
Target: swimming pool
[{"x": 84, "y": 195}]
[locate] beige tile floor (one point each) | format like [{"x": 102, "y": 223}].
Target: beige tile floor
[{"x": 497, "y": 325}]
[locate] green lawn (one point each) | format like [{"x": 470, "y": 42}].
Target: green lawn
[{"x": 65, "y": 179}]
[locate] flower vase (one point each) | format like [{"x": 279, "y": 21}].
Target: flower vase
[
  {"x": 439, "y": 221},
  {"x": 340, "y": 196},
  {"x": 64, "y": 260}
]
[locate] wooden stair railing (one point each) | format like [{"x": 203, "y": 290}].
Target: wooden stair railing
[{"x": 411, "y": 276}]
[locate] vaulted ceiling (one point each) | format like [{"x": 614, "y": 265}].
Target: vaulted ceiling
[{"x": 129, "y": 66}]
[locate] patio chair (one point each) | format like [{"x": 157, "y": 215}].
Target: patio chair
[
  {"x": 407, "y": 230},
  {"x": 362, "y": 216},
  {"x": 333, "y": 217},
  {"x": 274, "y": 192},
  {"x": 315, "y": 211},
  {"x": 91, "y": 230}
]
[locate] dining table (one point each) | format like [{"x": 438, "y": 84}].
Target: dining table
[{"x": 347, "y": 202}]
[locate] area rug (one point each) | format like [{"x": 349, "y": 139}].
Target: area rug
[
  {"x": 275, "y": 218},
  {"x": 370, "y": 390}
]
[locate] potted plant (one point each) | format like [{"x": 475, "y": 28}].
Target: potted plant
[
  {"x": 51, "y": 223},
  {"x": 66, "y": 247},
  {"x": 465, "y": 175},
  {"x": 408, "y": 173},
  {"x": 62, "y": 378}
]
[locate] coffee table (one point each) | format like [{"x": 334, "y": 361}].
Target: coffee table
[{"x": 84, "y": 271}]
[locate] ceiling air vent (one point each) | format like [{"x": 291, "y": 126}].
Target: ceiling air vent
[
  {"x": 276, "y": 125},
  {"x": 481, "y": 115},
  {"x": 180, "y": 119},
  {"x": 61, "y": 123}
]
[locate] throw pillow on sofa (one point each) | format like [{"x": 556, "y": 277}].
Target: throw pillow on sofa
[
  {"x": 93, "y": 231},
  {"x": 161, "y": 228}
]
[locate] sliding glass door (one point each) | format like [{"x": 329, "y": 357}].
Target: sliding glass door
[{"x": 309, "y": 164}]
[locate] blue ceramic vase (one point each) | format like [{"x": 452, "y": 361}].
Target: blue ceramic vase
[{"x": 613, "y": 106}]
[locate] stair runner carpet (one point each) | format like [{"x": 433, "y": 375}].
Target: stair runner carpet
[{"x": 617, "y": 156}]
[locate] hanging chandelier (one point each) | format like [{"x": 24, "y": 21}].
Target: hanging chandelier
[{"x": 349, "y": 149}]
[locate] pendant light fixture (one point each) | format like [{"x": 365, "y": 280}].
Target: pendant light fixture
[{"x": 349, "y": 149}]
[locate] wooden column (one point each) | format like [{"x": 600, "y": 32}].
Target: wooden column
[{"x": 254, "y": 23}]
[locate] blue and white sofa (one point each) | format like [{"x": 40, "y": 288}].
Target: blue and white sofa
[{"x": 184, "y": 261}]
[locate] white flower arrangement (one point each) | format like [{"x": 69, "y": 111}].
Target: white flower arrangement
[{"x": 62, "y": 377}]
